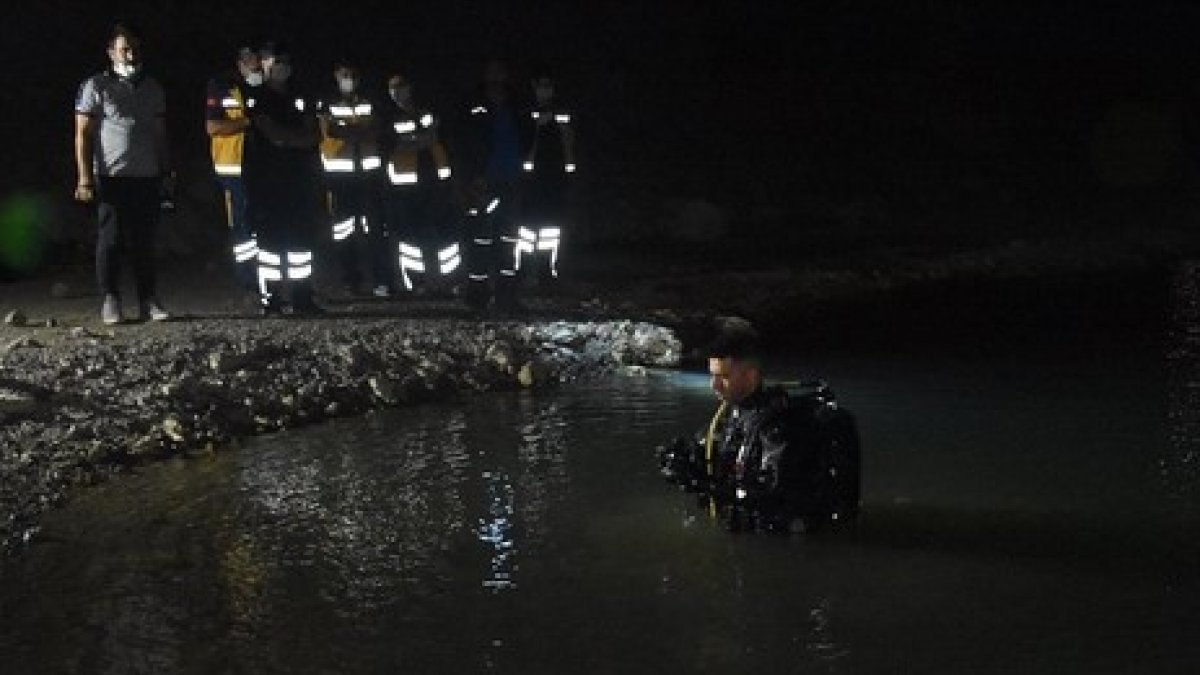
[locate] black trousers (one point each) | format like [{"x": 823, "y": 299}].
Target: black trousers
[
  {"x": 544, "y": 199},
  {"x": 127, "y": 211},
  {"x": 424, "y": 216},
  {"x": 356, "y": 197},
  {"x": 491, "y": 262},
  {"x": 283, "y": 207}
]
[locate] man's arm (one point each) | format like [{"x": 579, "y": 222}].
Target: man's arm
[
  {"x": 327, "y": 126},
  {"x": 227, "y": 127},
  {"x": 778, "y": 452},
  {"x": 305, "y": 135},
  {"x": 218, "y": 121},
  {"x": 85, "y": 185}
]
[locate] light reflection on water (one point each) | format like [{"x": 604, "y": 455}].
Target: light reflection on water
[{"x": 531, "y": 533}]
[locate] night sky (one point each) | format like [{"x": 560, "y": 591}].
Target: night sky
[{"x": 927, "y": 109}]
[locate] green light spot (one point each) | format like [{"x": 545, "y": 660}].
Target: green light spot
[{"x": 21, "y": 232}]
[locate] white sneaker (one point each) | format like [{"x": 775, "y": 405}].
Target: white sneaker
[
  {"x": 110, "y": 311},
  {"x": 382, "y": 291},
  {"x": 153, "y": 311}
]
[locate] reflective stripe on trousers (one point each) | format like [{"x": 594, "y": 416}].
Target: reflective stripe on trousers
[
  {"x": 299, "y": 267},
  {"x": 529, "y": 241}
]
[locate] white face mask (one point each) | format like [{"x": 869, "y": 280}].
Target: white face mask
[
  {"x": 125, "y": 70},
  {"x": 255, "y": 78},
  {"x": 346, "y": 85}
]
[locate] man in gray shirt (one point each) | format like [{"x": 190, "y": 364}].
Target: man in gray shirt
[{"x": 122, "y": 160}]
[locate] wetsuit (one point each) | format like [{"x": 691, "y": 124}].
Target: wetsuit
[{"x": 783, "y": 461}]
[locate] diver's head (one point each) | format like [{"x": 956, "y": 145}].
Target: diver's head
[{"x": 735, "y": 364}]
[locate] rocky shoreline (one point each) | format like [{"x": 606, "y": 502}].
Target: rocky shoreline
[{"x": 78, "y": 403}]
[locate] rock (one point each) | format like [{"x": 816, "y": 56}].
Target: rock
[
  {"x": 144, "y": 445},
  {"x": 655, "y": 346},
  {"x": 526, "y": 376},
  {"x": 97, "y": 399},
  {"x": 223, "y": 362},
  {"x": 14, "y": 345},
  {"x": 173, "y": 429},
  {"x": 16, "y": 318},
  {"x": 14, "y": 403},
  {"x": 500, "y": 355},
  {"x": 382, "y": 389}
]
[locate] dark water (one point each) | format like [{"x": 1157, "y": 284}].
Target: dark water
[{"x": 1027, "y": 512}]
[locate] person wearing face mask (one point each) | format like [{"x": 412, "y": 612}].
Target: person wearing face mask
[
  {"x": 122, "y": 162},
  {"x": 549, "y": 162},
  {"x": 229, "y": 101},
  {"x": 418, "y": 204},
  {"x": 281, "y": 170},
  {"x": 352, "y": 162}
]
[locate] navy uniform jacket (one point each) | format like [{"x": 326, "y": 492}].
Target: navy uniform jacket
[{"x": 282, "y": 183}]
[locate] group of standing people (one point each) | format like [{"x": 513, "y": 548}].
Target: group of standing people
[
  {"x": 376, "y": 180},
  {"x": 401, "y": 198}
]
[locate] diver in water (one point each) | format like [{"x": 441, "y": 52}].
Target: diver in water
[{"x": 773, "y": 458}]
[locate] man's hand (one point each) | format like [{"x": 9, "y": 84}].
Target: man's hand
[
  {"x": 166, "y": 191},
  {"x": 85, "y": 193}
]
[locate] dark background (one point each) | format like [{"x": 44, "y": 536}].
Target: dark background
[{"x": 892, "y": 118}]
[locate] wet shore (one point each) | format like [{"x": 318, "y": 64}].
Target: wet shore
[{"x": 80, "y": 401}]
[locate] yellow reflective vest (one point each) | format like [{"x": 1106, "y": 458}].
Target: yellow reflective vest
[
  {"x": 349, "y": 141},
  {"x": 404, "y": 161},
  {"x": 226, "y": 101}
]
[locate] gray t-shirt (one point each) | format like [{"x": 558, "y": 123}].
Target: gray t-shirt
[{"x": 128, "y": 113}]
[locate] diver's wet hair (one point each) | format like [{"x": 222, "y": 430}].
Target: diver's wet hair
[{"x": 740, "y": 343}]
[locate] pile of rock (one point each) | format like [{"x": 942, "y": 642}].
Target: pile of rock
[{"x": 78, "y": 407}]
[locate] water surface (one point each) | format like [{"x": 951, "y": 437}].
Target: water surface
[{"x": 1026, "y": 512}]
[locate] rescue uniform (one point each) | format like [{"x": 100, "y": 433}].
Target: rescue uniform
[
  {"x": 352, "y": 162},
  {"x": 129, "y": 166},
  {"x": 418, "y": 205},
  {"x": 283, "y": 199},
  {"x": 230, "y": 98},
  {"x": 490, "y": 154},
  {"x": 549, "y": 162}
]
